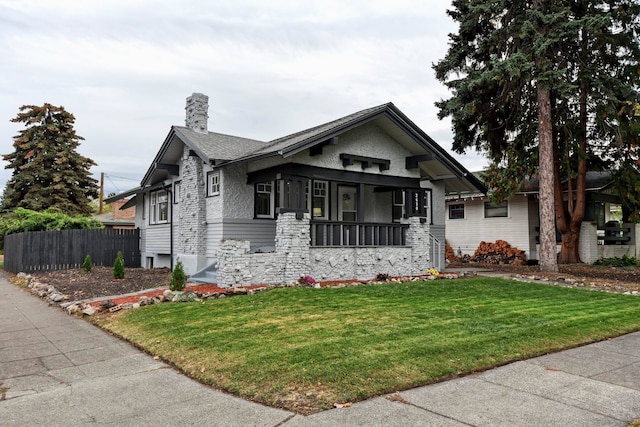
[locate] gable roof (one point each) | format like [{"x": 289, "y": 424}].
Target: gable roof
[
  {"x": 221, "y": 150},
  {"x": 442, "y": 166}
]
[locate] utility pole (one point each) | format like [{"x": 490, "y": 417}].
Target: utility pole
[{"x": 101, "y": 192}]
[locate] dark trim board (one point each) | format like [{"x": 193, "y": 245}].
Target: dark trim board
[{"x": 314, "y": 172}]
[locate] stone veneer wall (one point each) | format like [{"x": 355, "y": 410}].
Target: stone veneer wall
[
  {"x": 294, "y": 257},
  {"x": 328, "y": 264},
  {"x": 418, "y": 239},
  {"x": 191, "y": 239}
]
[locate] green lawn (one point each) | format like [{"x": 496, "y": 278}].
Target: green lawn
[{"x": 304, "y": 349}]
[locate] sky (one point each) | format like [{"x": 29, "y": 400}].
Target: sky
[{"x": 124, "y": 68}]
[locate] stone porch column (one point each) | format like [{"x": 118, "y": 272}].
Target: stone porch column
[
  {"x": 293, "y": 240},
  {"x": 418, "y": 239}
]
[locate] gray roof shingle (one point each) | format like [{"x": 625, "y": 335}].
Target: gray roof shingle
[{"x": 219, "y": 146}]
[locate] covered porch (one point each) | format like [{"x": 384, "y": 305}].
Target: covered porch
[{"x": 345, "y": 208}]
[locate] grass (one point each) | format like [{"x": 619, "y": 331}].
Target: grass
[{"x": 304, "y": 349}]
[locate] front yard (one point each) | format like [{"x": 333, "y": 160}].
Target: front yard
[{"x": 306, "y": 349}]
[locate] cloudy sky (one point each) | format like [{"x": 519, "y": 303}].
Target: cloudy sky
[{"x": 269, "y": 67}]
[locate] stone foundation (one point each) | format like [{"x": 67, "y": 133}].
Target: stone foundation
[{"x": 294, "y": 257}]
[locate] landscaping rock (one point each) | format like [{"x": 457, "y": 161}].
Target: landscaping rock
[
  {"x": 107, "y": 304},
  {"x": 73, "y": 309},
  {"x": 56, "y": 297},
  {"x": 89, "y": 310},
  {"x": 187, "y": 296}
]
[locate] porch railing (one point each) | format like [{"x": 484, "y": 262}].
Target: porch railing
[
  {"x": 613, "y": 235},
  {"x": 328, "y": 233},
  {"x": 436, "y": 251}
]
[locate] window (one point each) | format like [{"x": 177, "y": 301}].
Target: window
[
  {"x": 456, "y": 211},
  {"x": 347, "y": 203},
  {"x": 398, "y": 205},
  {"x": 264, "y": 200},
  {"x": 159, "y": 207},
  {"x": 213, "y": 183},
  {"x": 417, "y": 203},
  {"x": 176, "y": 192},
  {"x": 320, "y": 200},
  {"x": 496, "y": 210}
]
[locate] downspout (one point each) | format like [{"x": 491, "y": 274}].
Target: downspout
[{"x": 170, "y": 202}]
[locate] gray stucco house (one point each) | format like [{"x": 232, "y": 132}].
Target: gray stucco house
[{"x": 361, "y": 195}]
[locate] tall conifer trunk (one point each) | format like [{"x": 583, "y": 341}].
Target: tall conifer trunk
[{"x": 547, "y": 256}]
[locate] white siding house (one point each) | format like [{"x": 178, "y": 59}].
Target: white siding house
[{"x": 471, "y": 219}]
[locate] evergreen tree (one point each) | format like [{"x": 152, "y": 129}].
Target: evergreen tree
[
  {"x": 118, "y": 266},
  {"x": 178, "y": 278},
  {"x": 546, "y": 89},
  {"x": 47, "y": 170}
]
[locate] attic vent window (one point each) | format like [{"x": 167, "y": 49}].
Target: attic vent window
[{"x": 365, "y": 162}]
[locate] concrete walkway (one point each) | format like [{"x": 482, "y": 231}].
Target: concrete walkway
[{"x": 57, "y": 370}]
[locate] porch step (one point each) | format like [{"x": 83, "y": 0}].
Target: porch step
[{"x": 208, "y": 274}]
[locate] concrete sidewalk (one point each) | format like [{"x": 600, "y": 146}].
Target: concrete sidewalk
[{"x": 59, "y": 370}]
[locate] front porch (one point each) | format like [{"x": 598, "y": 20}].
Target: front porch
[
  {"x": 294, "y": 255},
  {"x": 610, "y": 241}
]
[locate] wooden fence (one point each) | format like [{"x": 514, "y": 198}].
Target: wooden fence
[{"x": 34, "y": 251}]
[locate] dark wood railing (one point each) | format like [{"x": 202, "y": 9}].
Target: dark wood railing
[
  {"x": 613, "y": 235},
  {"x": 329, "y": 233}
]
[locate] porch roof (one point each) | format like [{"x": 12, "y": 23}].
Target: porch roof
[{"x": 434, "y": 162}]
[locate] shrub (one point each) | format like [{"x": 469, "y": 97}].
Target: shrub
[
  {"x": 178, "y": 278},
  {"x": 382, "y": 277},
  {"x": 624, "y": 261},
  {"x": 307, "y": 281},
  {"x": 87, "y": 264},
  {"x": 118, "y": 267},
  {"x": 22, "y": 219}
]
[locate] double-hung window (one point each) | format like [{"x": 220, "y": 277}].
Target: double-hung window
[
  {"x": 159, "y": 207},
  {"x": 320, "y": 200},
  {"x": 265, "y": 200},
  {"x": 213, "y": 184}
]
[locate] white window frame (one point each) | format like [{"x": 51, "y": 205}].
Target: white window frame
[
  {"x": 349, "y": 191},
  {"x": 213, "y": 184},
  {"x": 265, "y": 188},
  {"x": 157, "y": 206},
  {"x": 496, "y": 207},
  {"x": 320, "y": 187},
  {"x": 464, "y": 211},
  {"x": 427, "y": 205}
]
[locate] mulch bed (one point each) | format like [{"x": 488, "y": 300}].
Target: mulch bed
[{"x": 99, "y": 282}]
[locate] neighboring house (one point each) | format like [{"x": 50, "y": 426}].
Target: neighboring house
[
  {"x": 361, "y": 195},
  {"x": 118, "y": 218},
  {"x": 471, "y": 219}
]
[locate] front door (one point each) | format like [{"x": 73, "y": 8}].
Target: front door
[{"x": 347, "y": 203}]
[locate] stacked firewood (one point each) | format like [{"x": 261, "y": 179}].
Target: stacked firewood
[
  {"x": 499, "y": 252},
  {"x": 449, "y": 254}
]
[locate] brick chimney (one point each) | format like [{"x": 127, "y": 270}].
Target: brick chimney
[{"x": 197, "y": 112}]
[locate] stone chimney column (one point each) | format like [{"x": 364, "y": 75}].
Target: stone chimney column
[{"x": 197, "y": 112}]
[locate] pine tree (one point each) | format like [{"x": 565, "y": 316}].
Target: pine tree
[
  {"x": 178, "y": 278},
  {"x": 546, "y": 89},
  {"x": 47, "y": 169},
  {"x": 118, "y": 266}
]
